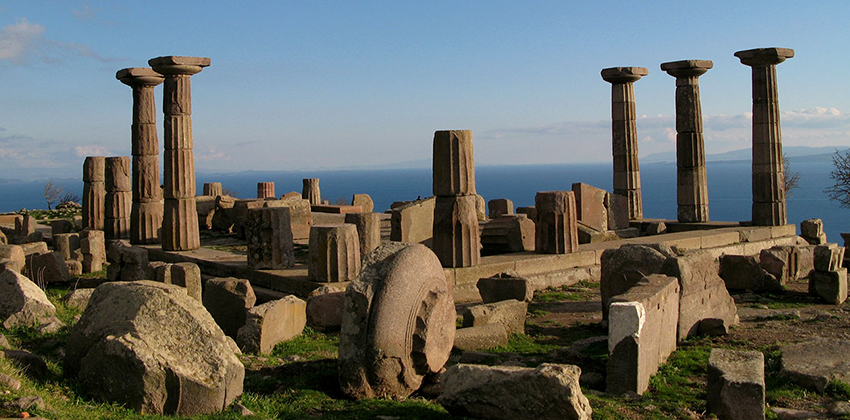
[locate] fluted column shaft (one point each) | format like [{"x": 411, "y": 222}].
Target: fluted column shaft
[
  {"x": 624, "y": 135},
  {"x": 768, "y": 175},
  {"x": 691, "y": 178},
  {"x": 180, "y": 218},
  {"x": 94, "y": 192},
  {"x": 147, "y": 208}
]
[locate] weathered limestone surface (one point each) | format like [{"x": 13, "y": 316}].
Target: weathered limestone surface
[
  {"x": 505, "y": 286},
  {"x": 736, "y": 389},
  {"x": 265, "y": 190},
  {"x": 228, "y": 300},
  {"x": 378, "y": 355},
  {"x": 300, "y": 216},
  {"x": 742, "y": 272},
  {"x": 703, "y": 293},
  {"x": 499, "y": 207},
  {"x": 592, "y": 206},
  {"x": 456, "y": 240},
  {"x": 324, "y": 308},
  {"x": 483, "y": 336},
  {"x": 368, "y": 230},
  {"x": 93, "y": 248},
  {"x": 624, "y": 135},
  {"x": 510, "y": 233},
  {"x": 269, "y": 235},
  {"x": 180, "y": 230},
  {"x": 413, "y": 222},
  {"x": 334, "y": 253},
  {"x": 691, "y": 180},
  {"x": 812, "y": 231},
  {"x": 184, "y": 274},
  {"x": 118, "y": 198},
  {"x": 364, "y": 201},
  {"x": 66, "y": 244},
  {"x": 510, "y": 313},
  {"x": 623, "y": 267},
  {"x": 642, "y": 327},
  {"x": 22, "y": 302},
  {"x": 780, "y": 263},
  {"x": 213, "y": 189},
  {"x": 126, "y": 262},
  {"x": 831, "y": 286},
  {"x": 271, "y": 323},
  {"x": 768, "y": 177},
  {"x": 78, "y": 298},
  {"x": 311, "y": 192},
  {"x": 816, "y": 362},
  {"x": 550, "y": 391},
  {"x": 453, "y": 163},
  {"x": 556, "y": 222},
  {"x": 154, "y": 349},
  {"x": 94, "y": 191},
  {"x": 12, "y": 257},
  {"x": 48, "y": 268}
]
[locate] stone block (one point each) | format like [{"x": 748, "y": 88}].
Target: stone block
[
  {"x": 22, "y": 302},
  {"x": 364, "y": 201},
  {"x": 591, "y": 205},
  {"x": 736, "y": 388},
  {"x": 25, "y": 225},
  {"x": 324, "y": 310},
  {"x": 453, "y": 163},
  {"x": 126, "y": 262},
  {"x": 828, "y": 257},
  {"x": 14, "y": 256},
  {"x": 510, "y": 313},
  {"x": 479, "y": 337},
  {"x": 272, "y": 323},
  {"x": 269, "y": 236},
  {"x": 413, "y": 222},
  {"x": 66, "y": 243},
  {"x": 206, "y": 206},
  {"x": 184, "y": 274},
  {"x": 368, "y": 230},
  {"x": 642, "y": 327},
  {"x": 703, "y": 292},
  {"x": 741, "y": 272},
  {"x": 61, "y": 226},
  {"x": 530, "y": 211},
  {"x": 47, "y": 268},
  {"x": 831, "y": 286},
  {"x": 78, "y": 298},
  {"x": 31, "y": 248},
  {"x": 557, "y": 231},
  {"x": 300, "y": 215},
  {"x": 811, "y": 228},
  {"x": 75, "y": 267},
  {"x": 456, "y": 240},
  {"x": 816, "y": 362},
  {"x": 623, "y": 267},
  {"x": 334, "y": 253},
  {"x": 117, "y": 171},
  {"x": 228, "y": 300},
  {"x": 511, "y": 233},
  {"x": 505, "y": 286},
  {"x": 781, "y": 262},
  {"x": 500, "y": 207},
  {"x": 618, "y": 211}
]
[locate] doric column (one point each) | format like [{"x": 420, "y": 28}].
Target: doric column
[
  {"x": 768, "y": 177},
  {"x": 311, "y": 191},
  {"x": 180, "y": 217},
  {"x": 624, "y": 134},
  {"x": 146, "y": 212},
  {"x": 213, "y": 189},
  {"x": 118, "y": 199},
  {"x": 456, "y": 239},
  {"x": 691, "y": 180},
  {"x": 94, "y": 192},
  {"x": 265, "y": 190}
]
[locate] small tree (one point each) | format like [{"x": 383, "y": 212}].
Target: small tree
[
  {"x": 52, "y": 192},
  {"x": 840, "y": 176},
  {"x": 792, "y": 179}
]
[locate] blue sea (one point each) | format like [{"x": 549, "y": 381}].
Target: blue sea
[{"x": 729, "y": 188}]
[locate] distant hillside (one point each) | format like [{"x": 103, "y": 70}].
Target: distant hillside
[{"x": 797, "y": 153}]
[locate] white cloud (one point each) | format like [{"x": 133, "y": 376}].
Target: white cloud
[
  {"x": 209, "y": 154},
  {"x": 84, "y": 13},
  {"x": 91, "y": 150},
  {"x": 17, "y": 40}
]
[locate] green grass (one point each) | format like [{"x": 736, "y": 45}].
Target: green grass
[
  {"x": 526, "y": 345},
  {"x": 546, "y": 297}
]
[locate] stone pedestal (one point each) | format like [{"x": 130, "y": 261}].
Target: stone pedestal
[
  {"x": 456, "y": 240},
  {"x": 368, "y": 230},
  {"x": 146, "y": 213},
  {"x": 454, "y": 166},
  {"x": 311, "y": 191},
  {"x": 624, "y": 134},
  {"x": 118, "y": 198},
  {"x": 269, "y": 237},
  {"x": 334, "y": 254},
  {"x": 499, "y": 207},
  {"x": 557, "y": 226},
  {"x": 265, "y": 190},
  {"x": 768, "y": 177},
  {"x": 180, "y": 218},
  {"x": 94, "y": 191},
  {"x": 213, "y": 189},
  {"x": 692, "y": 183}
]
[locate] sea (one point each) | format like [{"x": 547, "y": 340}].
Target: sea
[{"x": 729, "y": 188}]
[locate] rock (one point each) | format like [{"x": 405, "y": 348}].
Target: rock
[
  {"x": 812, "y": 231},
  {"x": 831, "y": 286},
  {"x": 741, "y": 272},
  {"x": 9, "y": 382},
  {"x": 228, "y": 300},
  {"x": 504, "y": 286},
  {"x": 30, "y": 364},
  {"x": 22, "y": 302},
  {"x": 792, "y": 414},
  {"x": 364, "y": 201},
  {"x": 184, "y": 274},
  {"x": 324, "y": 310},
  {"x": 781, "y": 262},
  {"x": 153, "y": 348},
  {"x": 4, "y": 343},
  {"x": 481, "y": 337},
  {"x": 48, "y": 268},
  {"x": 400, "y": 300},
  {"x": 816, "y": 362},
  {"x": 736, "y": 388},
  {"x": 828, "y": 257},
  {"x": 126, "y": 262},
  {"x": 78, "y": 298},
  {"x": 550, "y": 391},
  {"x": 65, "y": 244},
  {"x": 15, "y": 255},
  {"x": 26, "y": 403},
  {"x": 271, "y": 323},
  {"x": 627, "y": 265},
  {"x": 51, "y": 326},
  {"x": 510, "y": 313}
]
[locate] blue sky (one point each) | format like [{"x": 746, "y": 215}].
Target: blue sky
[{"x": 316, "y": 85}]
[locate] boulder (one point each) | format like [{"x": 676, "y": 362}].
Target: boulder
[
  {"x": 623, "y": 267},
  {"x": 228, "y": 300},
  {"x": 364, "y": 201},
  {"x": 126, "y": 262},
  {"x": 550, "y": 391},
  {"x": 324, "y": 309},
  {"x": 398, "y": 322},
  {"x": 271, "y": 323},
  {"x": 510, "y": 313},
  {"x": 48, "y": 268},
  {"x": 66, "y": 243},
  {"x": 736, "y": 389},
  {"x": 22, "y": 302},
  {"x": 78, "y": 298},
  {"x": 32, "y": 365},
  {"x": 151, "y": 347},
  {"x": 831, "y": 286},
  {"x": 15, "y": 256}
]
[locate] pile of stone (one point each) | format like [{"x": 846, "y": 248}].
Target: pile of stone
[
  {"x": 769, "y": 271},
  {"x": 490, "y": 324},
  {"x": 828, "y": 281}
]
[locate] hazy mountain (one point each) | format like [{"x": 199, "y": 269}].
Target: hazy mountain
[{"x": 797, "y": 153}]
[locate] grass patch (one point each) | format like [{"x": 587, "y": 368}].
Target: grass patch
[
  {"x": 546, "y": 297},
  {"x": 527, "y": 345},
  {"x": 310, "y": 345}
]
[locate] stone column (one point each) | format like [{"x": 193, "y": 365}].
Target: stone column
[
  {"x": 146, "y": 212},
  {"x": 311, "y": 191},
  {"x": 213, "y": 189},
  {"x": 265, "y": 190},
  {"x": 118, "y": 198},
  {"x": 180, "y": 217},
  {"x": 691, "y": 180},
  {"x": 456, "y": 239},
  {"x": 624, "y": 134},
  {"x": 94, "y": 192},
  {"x": 768, "y": 177}
]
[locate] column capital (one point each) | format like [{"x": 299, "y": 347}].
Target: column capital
[
  {"x": 623, "y": 74},
  {"x": 687, "y": 68},
  {"x": 177, "y": 65},
  {"x": 139, "y": 76},
  {"x": 764, "y": 56}
]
